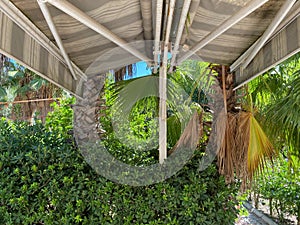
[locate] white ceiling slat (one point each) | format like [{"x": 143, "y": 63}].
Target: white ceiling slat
[
  {"x": 269, "y": 31},
  {"x": 181, "y": 26},
  {"x": 55, "y": 34},
  {"x": 79, "y": 15},
  {"x": 283, "y": 45},
  {"x": 234, "y": 19}
]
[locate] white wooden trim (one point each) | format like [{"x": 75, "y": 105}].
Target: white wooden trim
[
  {"x": 56, "y": 36},
  {"x": 234, "y": 19},
  {"x": 79, "y": 15}
]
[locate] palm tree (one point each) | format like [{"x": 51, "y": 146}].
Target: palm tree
[
  {"x": 263, "y": 121},
  {"x": 245, "y": 147},
  {"x": 22, "y": 86}
]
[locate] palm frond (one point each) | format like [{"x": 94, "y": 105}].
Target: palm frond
[
  {"x": 285, "y": 115},
  {"x": 226, "y": 154},
  {"x": 174, "y": 129},
  {"x": 189, "y": 139},
  {"x": 259, "y": 148},
  {"x": 245, "y": 148}
]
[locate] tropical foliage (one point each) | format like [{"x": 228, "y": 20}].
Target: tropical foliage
[
  {"x": 45, "y": 180},
  {"x": 132, "y": 111},
  {"x": 280, "y": 185},
  {"x": 60, "y": 119},
  {"x": 20, "y": 91},
  {"x": 276, "y": 96},
  {"x": 276, "y": 99},
  {"x": 246, "y": 146}
]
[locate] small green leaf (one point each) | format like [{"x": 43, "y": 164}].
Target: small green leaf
[
  {"x": 22, "y": 90},
  {"x": 16, "y": 74},
  {"x": 3, "y": 92},
  {"x": 36, "y": 84}
]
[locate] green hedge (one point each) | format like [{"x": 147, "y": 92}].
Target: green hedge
[
  {"x": 45, "y": 180},
  {"x": 280, "y": 184}
]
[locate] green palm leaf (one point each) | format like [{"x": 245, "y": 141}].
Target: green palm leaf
[
  {"x": 259, "y": 148},
  {"x": 285, "y": 115},
  {"x": 2, "y": 93}
]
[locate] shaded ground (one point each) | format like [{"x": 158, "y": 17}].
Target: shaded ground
[
  {"x": 263, "y": 206},
  {"x": 251, "y": 219}
]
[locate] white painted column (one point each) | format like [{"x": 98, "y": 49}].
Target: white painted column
[
  {"x": 163, "y": 89},
  {"x": 163, "y": 107}
]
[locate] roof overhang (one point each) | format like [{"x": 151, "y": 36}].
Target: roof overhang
[
  {"x": 283, "y": 44},
  {"x": 60, "y": 39}
]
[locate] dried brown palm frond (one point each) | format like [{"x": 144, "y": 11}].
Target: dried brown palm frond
[
  {"x": 227, "y": 151},
  {"x": 245, "y": 148},
  {"x": 242, "y": 141},
  {"x": 189, "y": 139}
]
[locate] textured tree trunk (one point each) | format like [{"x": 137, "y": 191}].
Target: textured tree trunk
[
  {"x": 121, "y": 73},
  {"x": 26, "y": 110},
  {"x": 227, "y": 155},
  {"x": 226, "y": 82}
]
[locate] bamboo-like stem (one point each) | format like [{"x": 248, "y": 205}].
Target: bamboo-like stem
[
  {"x": 29, "y": 100},
  {"x": 224, "y": 89}
]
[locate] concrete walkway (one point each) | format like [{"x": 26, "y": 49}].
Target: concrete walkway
[{"x": 255, "y": 217}]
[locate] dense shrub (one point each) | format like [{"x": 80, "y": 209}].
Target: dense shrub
[
  {"x": 45, "y": 180},
  {"x": 60, "y": 119},
  {"x": 280, "y": 184}
]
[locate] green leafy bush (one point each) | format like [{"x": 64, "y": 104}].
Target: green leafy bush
[
  {"x": 60, "y": 119},
  {"x": 280, "y": 184},
  {"x": 45, "y": 180}
]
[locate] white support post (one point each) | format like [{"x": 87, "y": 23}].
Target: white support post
[
  {"x": 163, "y": 89},
  {"x": 56, "y": 36},
  {"x": 163, "y": 109},
  {"x": 170, "y": 19},
  {"x": 181, "y": 25},
  {"x": 159, "y": 9},
  {"x": 234, "y": 19},
  {"x": 79, "y": 15}
]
